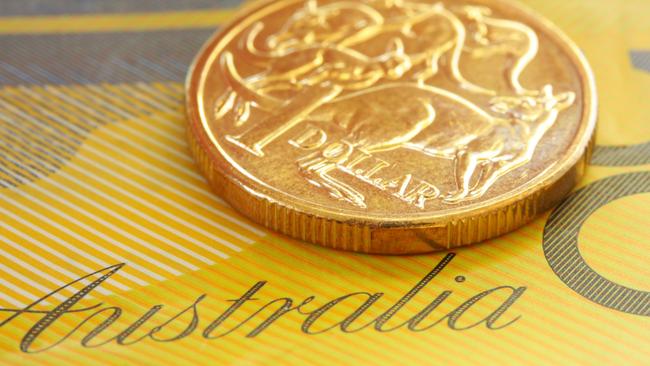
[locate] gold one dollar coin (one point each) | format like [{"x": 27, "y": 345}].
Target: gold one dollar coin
[{"x": 391, "y": 126}]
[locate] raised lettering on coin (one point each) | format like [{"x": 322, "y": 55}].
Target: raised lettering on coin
[{"x": 433, "y": 122}]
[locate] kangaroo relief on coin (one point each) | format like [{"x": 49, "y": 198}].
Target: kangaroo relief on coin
[
  {"x": 419, "y": 107},
  {"x": 325, "y": 65}
]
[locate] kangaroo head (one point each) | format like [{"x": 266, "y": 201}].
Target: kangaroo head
[
  {"x": 532, "y": 107},
  {"x": 395, "y": 62},
  {"x": 475, "y": 13},
  {"x": 315, "y": 24}
]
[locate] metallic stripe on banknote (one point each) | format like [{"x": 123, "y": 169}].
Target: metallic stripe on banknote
[
  {"x": 61, "y": 7},
  {"x": 88, "y": 58}
]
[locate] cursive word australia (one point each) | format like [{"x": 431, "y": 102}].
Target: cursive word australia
[{"x": 252, "y": 308}]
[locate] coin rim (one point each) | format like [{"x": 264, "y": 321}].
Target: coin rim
[{"x": 202, "y": 136}]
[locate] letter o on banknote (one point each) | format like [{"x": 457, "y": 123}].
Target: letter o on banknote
[{"x": 561, "y": 243}]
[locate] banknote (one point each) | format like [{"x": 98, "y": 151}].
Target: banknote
[{"x": 114, "y": 251}]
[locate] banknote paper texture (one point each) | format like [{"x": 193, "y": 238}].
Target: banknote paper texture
[{"x": 114, "y": 251}]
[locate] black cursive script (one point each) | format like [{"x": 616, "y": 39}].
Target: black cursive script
[{"x": 189, "y": 318}]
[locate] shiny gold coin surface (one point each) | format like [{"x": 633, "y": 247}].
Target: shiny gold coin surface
[{"x": 391, "y": 126}]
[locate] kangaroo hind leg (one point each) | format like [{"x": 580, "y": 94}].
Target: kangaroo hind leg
[{"x": 465, "y": 169}]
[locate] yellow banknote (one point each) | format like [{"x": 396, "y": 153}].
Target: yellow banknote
[{"x": 114, "y": 251}]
